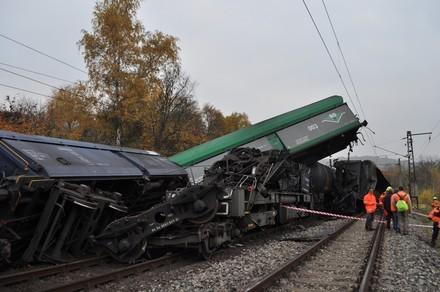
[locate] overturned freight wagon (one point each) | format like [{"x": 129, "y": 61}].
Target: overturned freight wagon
[
  {"x": 308, "y": 134},
  {"x": 240, "y": 182},
  {"x": 305, "y": 135},
  {"x": 56, "y": 193},
  {"x": 61, "y": 198}
]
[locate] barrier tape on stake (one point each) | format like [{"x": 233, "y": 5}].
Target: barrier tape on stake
[{"x": 341, "y": 216}]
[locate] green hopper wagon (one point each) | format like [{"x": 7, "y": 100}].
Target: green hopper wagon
[{"x": 309, "y": 134}]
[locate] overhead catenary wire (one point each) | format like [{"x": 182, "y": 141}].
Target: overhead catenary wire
[
  {"x": 427, "y": 144},
  {"x": 330, "y": 56},
  {"x": 438, "y": 135},
  {"x": 42, "y": 53},
  {"x": 30, "y": 78},
  {"x": 24, "y": 90},
  {"x": 344, "y": 59},
  {"x": 390, "y": 151},
  {"x": 40, "y": 82},
  {"x": 36, "y": 72},
  {"x": 370, "y": 138}
]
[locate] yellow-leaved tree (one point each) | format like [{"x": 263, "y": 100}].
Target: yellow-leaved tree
[
  {"x": 124, "y": 63},
  {"x": 71, "y": 114}
]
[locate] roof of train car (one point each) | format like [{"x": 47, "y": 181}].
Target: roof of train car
[
  {"x": 66, "y": 142},
  {"x": 55, "y": 157},
  {"x": 219, "y": 145}
]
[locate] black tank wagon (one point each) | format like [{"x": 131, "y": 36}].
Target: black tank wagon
[{"x": 55, "y": 193}]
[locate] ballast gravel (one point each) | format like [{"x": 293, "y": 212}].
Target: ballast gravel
[
  {"x": 335, "y": 267},
  {"x": 407, "y": 262},
  {"x": 231, "y": 270}
]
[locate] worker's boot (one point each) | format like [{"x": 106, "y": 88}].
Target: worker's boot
[{"x": 433, "y": 243}]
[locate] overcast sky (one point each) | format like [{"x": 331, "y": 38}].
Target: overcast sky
[{"x": 265, "y": 57}]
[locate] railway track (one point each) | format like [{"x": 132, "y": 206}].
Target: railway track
[
  {"x": 15, "y": 281},
  {"x": 9, "y": 278},
  {"x": 92, "y": 272},
  {"x": 342, "y": 261}
]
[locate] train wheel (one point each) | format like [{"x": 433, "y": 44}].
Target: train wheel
[
  {"x": 133, "y": 254},
  {"x": 206, "y": 217},
  {"x": 130, "y": 247}
]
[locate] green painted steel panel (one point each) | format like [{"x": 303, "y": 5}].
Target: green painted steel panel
[
  {"x": 321, "y": 125},
  {"x": 227, "y": 142},
  {"x": 323, "y": 138},
  {"x": 275, "y": 141}
]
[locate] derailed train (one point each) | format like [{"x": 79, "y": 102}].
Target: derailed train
[{"x": 61, "y": 199}]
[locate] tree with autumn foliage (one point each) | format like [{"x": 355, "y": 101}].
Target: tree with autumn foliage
[
  {"x": 236, "y": 121},
  {"x": 137, "y": 94},
  {"x": 23, "y": 115},
  {"x": 216, "y": 124},
  {"x": 124, "y": 63},
  {"x": 173, "y": 121},
  {"x": 71, "y": 114},
  {"x": 427, "y": 174}
]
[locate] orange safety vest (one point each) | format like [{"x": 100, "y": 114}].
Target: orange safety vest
[
  {"x": 382, "y": 198},
  {"x": 404, "y": 196},
  {"x": 381, "y": 202},
  {"x": 400, "y": 195},
  {"x": 370, "y": 203},
  {"x": 434, "y": 215},
  {"x": 394, "y": 199}
]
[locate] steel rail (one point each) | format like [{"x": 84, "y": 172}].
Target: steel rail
[
  {"x": 89, "y": 283},
  {"x": 13, "y": 278},
  {"x": 269, "y": 279},
  {"x": 365, "y": 284}
]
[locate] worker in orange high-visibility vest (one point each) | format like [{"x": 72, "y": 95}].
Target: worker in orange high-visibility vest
[
  {"x": 370, "y": 207},
  {"x": 401, "y": 205},
  {"x": 434, "y": 215},
  {"x": 385, "y": 202}
]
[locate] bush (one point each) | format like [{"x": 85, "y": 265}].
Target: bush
[{"x": 425, "y": 198}]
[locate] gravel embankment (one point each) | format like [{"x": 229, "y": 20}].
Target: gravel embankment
[
  {"x": 408, "y": 263},
  {"x": 229, "y": 271}
]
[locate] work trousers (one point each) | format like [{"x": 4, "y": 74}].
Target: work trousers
[
  {"x": 403, "y": 222},
  {"x": 388, "y": 218},
  {"x": 435, "y": 230},
  {"x": 369, "y": 221},
  {"x": 396, "y": 222}
]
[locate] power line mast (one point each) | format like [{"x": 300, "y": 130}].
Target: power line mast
[{"x": 412, "y": 181}]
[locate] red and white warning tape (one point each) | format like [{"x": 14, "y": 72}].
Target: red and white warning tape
[
  {"x": 419, "y": 214},
  {"x": 322, "y": 213},
  {"x": 342, "y": 216}
]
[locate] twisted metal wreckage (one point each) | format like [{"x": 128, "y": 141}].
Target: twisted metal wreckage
[{"x": 61, "y": 199}]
